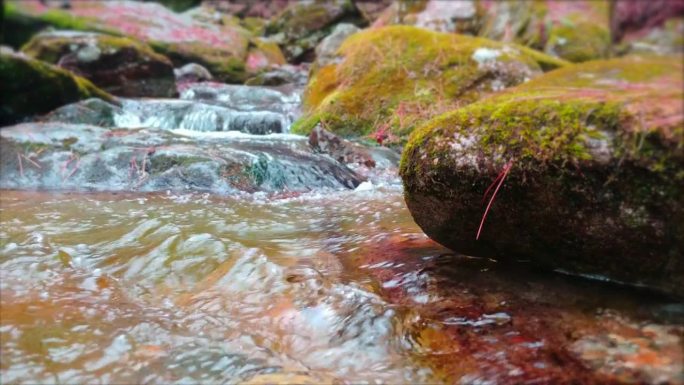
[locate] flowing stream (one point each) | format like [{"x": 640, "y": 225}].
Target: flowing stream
[{"x": 329, "y": 285}]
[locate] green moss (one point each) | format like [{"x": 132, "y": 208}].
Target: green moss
[
  {"x": 305, "y": 125},
  {"x": 36, "y": 87},
  {"x": 254, "y": 25},
  {"x": 68, "y": 142},
  {"x": 270, "y": 50},
  {"x": 162, "y": 162},
  {"x": 579, "y": 43},
  {"x": 396, "y": 77},
  {"x": 551, "y": 121},
  {"x": 19, "y": 26},
  {"x": 51, "y": 47},
  {"x": 582, "y": 35}
]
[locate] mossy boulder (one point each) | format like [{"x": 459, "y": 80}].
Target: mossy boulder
[
  {"x": 31, "y": 87},
  {"x": 118, "y": 65},
  {"x": 592, "y": 159},
  {"x": 573, "y": 30},
  {"x": 299, "y": 27},
  {"x": 390, "y": 79},
  {"x": 190, "y": 37}
]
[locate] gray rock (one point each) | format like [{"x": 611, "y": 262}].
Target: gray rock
[
  {"x": 192, "y": 72},
  {"x": 326, "y": 51},
  {"x": 61, "y": 156}
]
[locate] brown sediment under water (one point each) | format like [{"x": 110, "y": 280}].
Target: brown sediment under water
[{"x": 321, "y": 287}]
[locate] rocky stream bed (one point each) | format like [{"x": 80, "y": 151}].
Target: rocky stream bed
[{"x": 342, "y": 192}]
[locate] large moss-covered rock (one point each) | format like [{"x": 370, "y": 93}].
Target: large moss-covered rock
[
  {"x": 118, "y": 65},
  {"x": 190, "y": 37},
  {"x": 593, "y": 162},
  {"x": 31, "y": 87},
  {"x": 390, "y": 79}
]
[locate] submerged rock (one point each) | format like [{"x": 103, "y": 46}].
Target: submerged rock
[
  {"x": 390, "y": 79},
  {"x": 31, "y": 87},
  {"x": 591, "y": 161},
  {"x": 344, "y": 151},
  {"x": 118, "y": 65},
  {"x": 61, "y": 156},
  {"x": 184, "y": 38}
]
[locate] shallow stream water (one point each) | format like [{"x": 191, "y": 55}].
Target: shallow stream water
[{"x": 326, "y": 286}]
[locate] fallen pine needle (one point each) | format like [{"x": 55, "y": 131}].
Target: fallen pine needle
[{"x": 500, "y": 178}]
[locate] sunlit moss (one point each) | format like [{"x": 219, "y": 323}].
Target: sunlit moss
[{"x": 384, "y": 68}]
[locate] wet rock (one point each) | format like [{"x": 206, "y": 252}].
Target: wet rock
[
  {"x": 118, "y": 65},
  {"x": 61, "y": 156},
  {"x": 300, "y": 27},
  {"x": 390, "y": 79},
  {"x": 326, "y": 51},
  {"x": 198, "y": 116},
  {"x": 284, "y": 101},
  {"x": 591, "y": 159},
  {"x": 171, "y": 114},
  {"x": 31, "y": 87},
  {"x": 192, "y": 73},
  {"x": 344, "y": 151},
  {"x": 287, "y": 74},
  {"x": 219, "y": 46},
  {"x": 96, "y": 112}
]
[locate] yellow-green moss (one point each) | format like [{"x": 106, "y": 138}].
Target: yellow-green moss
[
  {"x": 551, "y": 119},
  {"x": 270, "y": 50},
  {"x": 394, "y": 77},
  {"x": 581, "y": 35},
  {"x": 50, "y": 48},
  {"x": 578, "y": 43},
  {"x": 56, "y": 18}
]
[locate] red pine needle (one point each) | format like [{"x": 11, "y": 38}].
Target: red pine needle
[{"x": 500, "y": 178}]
